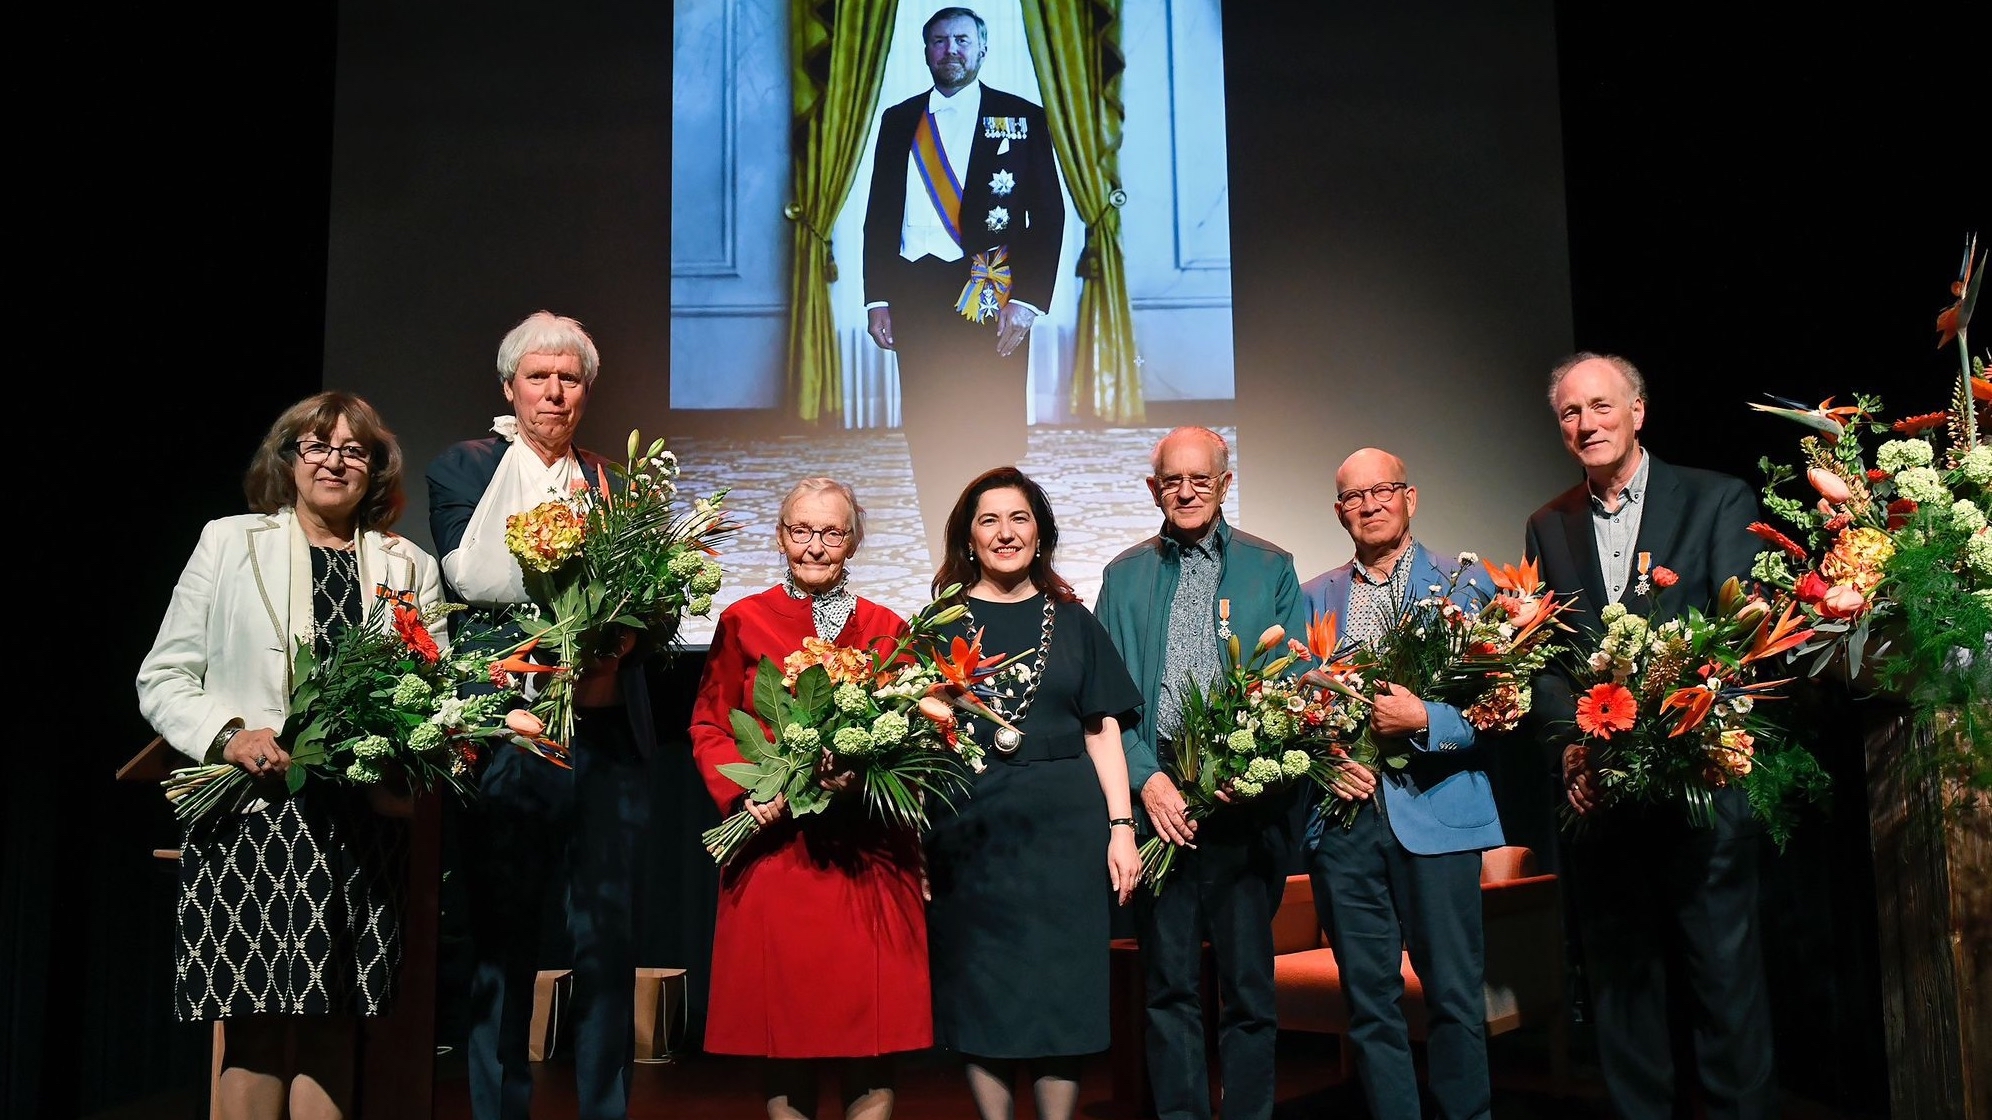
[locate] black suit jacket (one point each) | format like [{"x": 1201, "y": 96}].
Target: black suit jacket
[
  {"x": 1694, "y": 522},
  {"x": 1035, "y": 205}
]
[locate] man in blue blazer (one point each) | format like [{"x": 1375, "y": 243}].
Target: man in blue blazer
[
  {"x": 533, "y": 821},
  {"x": 1406, "y": 875},
  {"x": 963, "y": 173},
  {"x": 1666, "y": 912}
]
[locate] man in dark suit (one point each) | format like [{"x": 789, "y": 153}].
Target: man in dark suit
[
  {"x": 962, "y": 232},
  {"x": 534, "y": 823},
  {"x": 1666, "y": 912}
]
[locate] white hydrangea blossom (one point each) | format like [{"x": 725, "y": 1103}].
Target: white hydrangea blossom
[
  {"x": 1922, "y": 485},
  {"x": 1900, "y": 454}
]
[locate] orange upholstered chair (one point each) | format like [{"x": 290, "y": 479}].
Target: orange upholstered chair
[{"x": 1524, "y": 975}]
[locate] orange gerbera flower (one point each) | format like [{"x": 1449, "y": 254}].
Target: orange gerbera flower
[
  {"x": 408, "y": 623},
  {"x": 1770, "y": 534},
  {"x": 1606, "y": 709},
  {"x": 1917, "y": 425}
]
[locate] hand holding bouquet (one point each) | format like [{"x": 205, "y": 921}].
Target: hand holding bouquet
[
  {"x": 607, "y": 563},
  {"x": 382, "y": 704},
  {"x": 1455, "y": 646},
  {"x": 884, "y": 715},
  {"x": 1668, "y": 714},
  {"x": 1256, "y": 729}
]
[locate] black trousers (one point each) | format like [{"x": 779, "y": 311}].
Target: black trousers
[
  {"x": 1667, "y": 915},
  {"x": 533, "y": 826},
  {"x": 963, "y": 408},
  {"x": 1224, "y": 891}
]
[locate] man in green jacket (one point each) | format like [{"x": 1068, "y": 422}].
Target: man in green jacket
[{"x": 1169, "y": 603}]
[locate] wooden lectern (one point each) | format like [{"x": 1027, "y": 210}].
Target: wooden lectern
[{"x": 396, "y": 1068}]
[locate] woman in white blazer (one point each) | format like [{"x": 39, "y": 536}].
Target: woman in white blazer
[{"x": 290, "y": 911}]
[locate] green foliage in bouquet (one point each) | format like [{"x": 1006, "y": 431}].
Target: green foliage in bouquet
[
  {"x": 885, "y": 715},
  {"x": 1479, "y": 657},
  {"x": 1670, "y": 713},
  {"x": 1893, "y": 562},
  {"x": 1253, "y": 731},
  {"x": 380, "y": 709},
  {"x": 610, "y": 562}
]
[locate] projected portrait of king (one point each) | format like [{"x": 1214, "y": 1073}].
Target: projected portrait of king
[{"x": 962, "y": 232}]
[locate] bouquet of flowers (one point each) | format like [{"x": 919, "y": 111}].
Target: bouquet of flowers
[
  {"x": 1892, "y": 564},
  {"x": 382, "y": 704},
  {"x": 1254, "y": 730},
  {"x": 886, "y": 714},
  {"x": 1669, "y": 714},
  {"x": 1479, "y": 659},
  {"x": 605, "y": 562}
]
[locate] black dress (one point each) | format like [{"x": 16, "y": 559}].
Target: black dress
[
  {"x": 294, "y": 908},
  {"x": 1019, "y": 924}
]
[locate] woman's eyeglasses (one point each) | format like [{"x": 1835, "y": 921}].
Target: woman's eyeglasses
[
  {"x": 803, "y": 534},
  {"x": 318, "y": 454}
]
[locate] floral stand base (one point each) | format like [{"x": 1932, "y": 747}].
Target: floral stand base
[{"x": 1933, "y": 904}]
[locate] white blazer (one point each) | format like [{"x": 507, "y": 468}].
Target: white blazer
[{"x": 227, "y": 645}]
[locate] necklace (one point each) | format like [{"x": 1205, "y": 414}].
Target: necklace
[{"x": 1008, "y": 739}]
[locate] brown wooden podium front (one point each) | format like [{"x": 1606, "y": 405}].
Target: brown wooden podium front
[{"x": 396, "y": 1069}]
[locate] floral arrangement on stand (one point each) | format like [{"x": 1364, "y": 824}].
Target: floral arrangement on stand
[
  {"x": 1892, "y": 563},
  {"x": 886, "y": 715},
  {"x": 609, "y": 564},
  {"x": 381, "y": 710},
  {"x": 1668, "y": 714},
  {"x": 1255, "y": 730},
  {"x": 1479, "y": 659}
]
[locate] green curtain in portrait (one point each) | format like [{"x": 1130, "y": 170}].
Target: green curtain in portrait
[
  {"x": 836, "y": 66},
  {"x": 1075, "y": 49}
]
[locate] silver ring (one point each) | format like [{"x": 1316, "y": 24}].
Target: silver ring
[{"x": 262, "y": 760}]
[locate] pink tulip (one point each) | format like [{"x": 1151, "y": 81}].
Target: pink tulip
[
  {"x": 1842, "y": 601},
  {"x": 936, "y": 709},
  {"x": 1274, "y": 635},
  {"x": 1830, "y": 486},
  {"x": 525, "y": 723}
]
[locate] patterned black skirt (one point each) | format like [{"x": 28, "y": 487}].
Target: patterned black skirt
[{"x": 293, "y": 910}]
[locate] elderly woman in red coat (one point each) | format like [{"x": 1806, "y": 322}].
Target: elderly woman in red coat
[{"x": 820, "y": 949}]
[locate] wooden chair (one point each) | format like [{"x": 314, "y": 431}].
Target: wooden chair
[{"x": 1522, "y": 916}]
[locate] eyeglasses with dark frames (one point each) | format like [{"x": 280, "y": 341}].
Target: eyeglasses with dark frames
[
  {"x": 318, "y": 454},
  {"x": 1383, "y": 493},
  {"x": 803, "y": 534}
]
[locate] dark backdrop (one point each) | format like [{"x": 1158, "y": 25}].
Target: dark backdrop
[{"x": 1754, "y": 204}]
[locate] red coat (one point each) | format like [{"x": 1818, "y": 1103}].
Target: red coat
[{"x": 820, "y": 948}]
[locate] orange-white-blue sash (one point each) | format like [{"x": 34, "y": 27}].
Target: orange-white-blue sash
[
  {"x": 943, "y": 187},
  {"x": 988, "y": 287}
]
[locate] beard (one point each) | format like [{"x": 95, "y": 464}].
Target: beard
[{"x": 952, "y": 73}]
